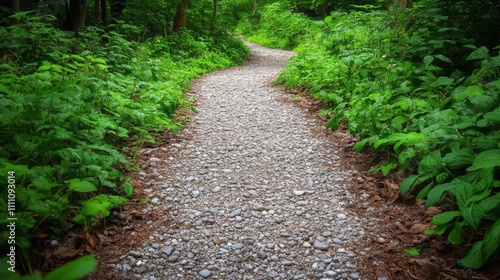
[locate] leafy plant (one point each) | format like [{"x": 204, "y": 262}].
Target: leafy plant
[
  {"x": 418, "y": 91},
  {"x": 73, "y": 270}
]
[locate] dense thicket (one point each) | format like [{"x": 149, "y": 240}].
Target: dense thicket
[
  {"x": 79, "y": 87},
  {"x": 417, "y": 81}
]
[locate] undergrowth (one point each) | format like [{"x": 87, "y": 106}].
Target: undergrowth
[
  {"x": 69, "y": 106},
  {"x": 416, "y": 89}
]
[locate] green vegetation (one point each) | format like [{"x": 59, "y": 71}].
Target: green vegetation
[
  {"x": 419, "y": 85},
  {"x": 73, "y": 102},
  {"x": 73, "y": 270}
]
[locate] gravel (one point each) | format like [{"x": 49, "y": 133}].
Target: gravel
[{"x": 255, "y": 191}]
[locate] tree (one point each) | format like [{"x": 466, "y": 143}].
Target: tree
[
  {"x": 76, "y": 14},
  {"x": 15, "y": 5},
  {"x": 180, "y": 19}
]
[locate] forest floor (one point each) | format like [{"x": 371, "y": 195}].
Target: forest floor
[{"x": 257, "y": 188}]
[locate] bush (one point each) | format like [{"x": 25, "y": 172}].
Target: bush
[
  {"x": 71, "y": 103},
  {"x": 402, "y": 84}
]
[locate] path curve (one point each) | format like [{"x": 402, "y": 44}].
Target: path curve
[{"x": 255, "y": 193}]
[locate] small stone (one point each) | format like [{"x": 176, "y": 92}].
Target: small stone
[
  {"x": 272, "y": 274},
  {"x": 135, "y": 254},
  {"x": 172, "y": 258},
  {"x": 380, "y": 240},
  {"x": 338, "y": 241},
  {"x": 296, "y": 192},
  {"x": 327, "y": 233},
  {"x": 354, "y": 276},
  {"x": 168, "y": 250},
  {"x": 342, "y": 216},
  {"x": 321, "y": 245},
  {"x": 205, "y": 273},
  {"x": 237, "y": 246},
  {"x": 216, "y": 189},
  {"x": 306, "y": 244},
  {"x": 236, "y": 212}
]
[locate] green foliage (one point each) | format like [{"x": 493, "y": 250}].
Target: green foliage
[
  {"x": 69, "y": 103},
  {"x": 411, "y": 86},
  {"x": 279, "y": 27},
  {"x": 73, "y": 270}
]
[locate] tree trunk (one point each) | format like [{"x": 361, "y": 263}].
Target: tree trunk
[
  {"x": 404, "y": 4},
  {"x": 180, "y": 20},
  {"x": 15, "y": 5},
  {"x": 97, "y": 12},
  {"x": 103, "y": 11},
  {"x": 116, "y": 7},
  {"x": 76, "y": 15}
]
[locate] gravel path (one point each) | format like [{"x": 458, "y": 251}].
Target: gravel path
[{"x": 254, "y": 192}]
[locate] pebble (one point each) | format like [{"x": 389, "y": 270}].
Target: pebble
[
  {"x": 205, "y": 273},
  {"x": 135, "y": 254},
  {"x": 168, "y": 250},
  {"x": 272, "y": 274},
  {"x": 249, "y": 191},
  {"x": 321, "y": 245}
]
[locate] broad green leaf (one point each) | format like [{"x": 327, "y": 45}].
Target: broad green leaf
[
  {"x": 442, "y": 58},
  {"x": 4, "y": 89},
  {"x": 388, "y": 167},
  {"x": 430, "y": 163},
  {"x": 358, "y": 147},
  {"x": 491, "y": 240},
  {"x": 461, "y": 93},
  {"x": 81, "y": 186},
  {"x": 425, "y": 191},
  {"x": 444, "y": 81},
  {"x": 456, "y": 235},
  {"x": 483, "y": 103},
  {"x": 458, "y": 159},
  {"x": 128, "y": 188},
  {"x": 486, "y": 159},
  {"x": 74, "y": 270},
  {"x": 463, "y": 192},
  {"x": 439, "y": 230},
  {"x": 481, "y": 53},
  {"x": 437, "y": 193},
  {"x": 493, "y": 117},
  {"x": 428, "y": 59},
  {"x": 473, "y": 215},
  {"x": 482, "y": 250},
  {"x": 414, "y": 251},
  {"x": 490, "y": 203},
  {"x": 399, "y": 139},
  {"x": 444, "y": 218},
  {"x": 407, "y": 183},
  {"x": 96, "y": 208},
  {"x": 478, "y": 197}
]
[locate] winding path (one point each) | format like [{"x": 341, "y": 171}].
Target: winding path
[{"x": 255, "y": 193}]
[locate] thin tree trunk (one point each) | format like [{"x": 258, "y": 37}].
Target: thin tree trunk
[
  {"x": 180, "y": 19},
  {"x": 103, "y": 11},
  {"x": 97, "y": 12},
  {"x": 76, "y": 15},
  {"x": 16, "y": 8}
]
